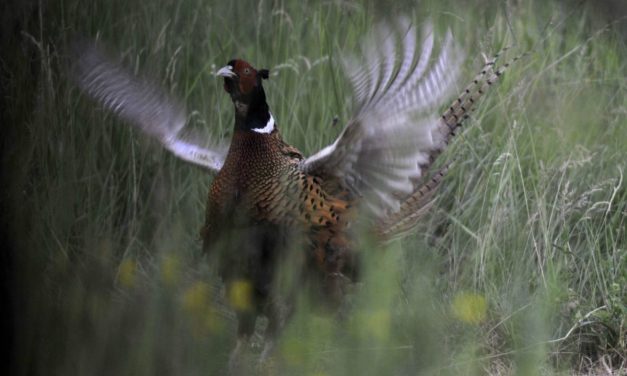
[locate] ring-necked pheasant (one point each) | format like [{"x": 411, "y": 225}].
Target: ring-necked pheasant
[{"x": 269, "y": 202}]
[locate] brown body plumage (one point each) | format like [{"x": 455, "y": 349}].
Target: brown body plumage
[{"x": 259, "y": 206}]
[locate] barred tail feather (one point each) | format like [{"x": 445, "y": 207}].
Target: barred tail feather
[
  {"x": 460, "y": 110},
  {"x": 416, "y": 205},
  {"x": 412, "y": 209}
]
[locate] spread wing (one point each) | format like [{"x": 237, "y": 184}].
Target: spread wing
[
  {"x": 144, "y": 105},
  {"x": 395, "y": 127}
]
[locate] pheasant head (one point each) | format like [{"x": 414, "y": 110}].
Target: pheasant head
[{"x": 243, "y": 83}]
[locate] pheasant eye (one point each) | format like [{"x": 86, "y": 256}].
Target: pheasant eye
[{"x": 246, "y": 70}]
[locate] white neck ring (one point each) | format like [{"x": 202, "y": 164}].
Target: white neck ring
[{"x": 268, "y": 128}]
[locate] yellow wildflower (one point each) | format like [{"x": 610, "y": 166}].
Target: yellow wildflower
[
  {"x": 240, "y": 295},
  {"x": 170, "y": 269},
  {"x": 126, "y": 272},
  {"x": 196, "y": 299},
  {"x": 470, "y": 308}
]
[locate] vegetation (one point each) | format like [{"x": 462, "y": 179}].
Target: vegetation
[{"x": 520, "y": 268}]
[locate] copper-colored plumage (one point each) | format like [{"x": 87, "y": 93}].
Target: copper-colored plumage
[{"x": 261, "y": 184}]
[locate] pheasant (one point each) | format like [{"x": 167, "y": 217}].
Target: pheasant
[{"x": 268, "y": 202}]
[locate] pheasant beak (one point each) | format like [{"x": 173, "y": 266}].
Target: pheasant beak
[{"x": 226, "y": 71}]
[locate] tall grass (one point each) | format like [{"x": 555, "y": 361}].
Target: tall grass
[{"x": 520, "y": 268}]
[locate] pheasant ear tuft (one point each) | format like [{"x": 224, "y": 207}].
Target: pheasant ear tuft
[{"x": 264, "y": 73}]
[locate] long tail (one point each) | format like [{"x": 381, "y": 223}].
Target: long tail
[
  {"x": 412, "y": 209},
  {"x": 417, "y": 204}
]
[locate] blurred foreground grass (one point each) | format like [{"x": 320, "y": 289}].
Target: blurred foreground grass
[{"x": 521, "y": 267}]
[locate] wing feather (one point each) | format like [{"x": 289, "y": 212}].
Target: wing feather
[
  {"x": 379, "y": 153},
  {"x": 145, "y": 106}
]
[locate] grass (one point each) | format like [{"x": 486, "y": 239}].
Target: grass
[{"x": 521, "y": 267}]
